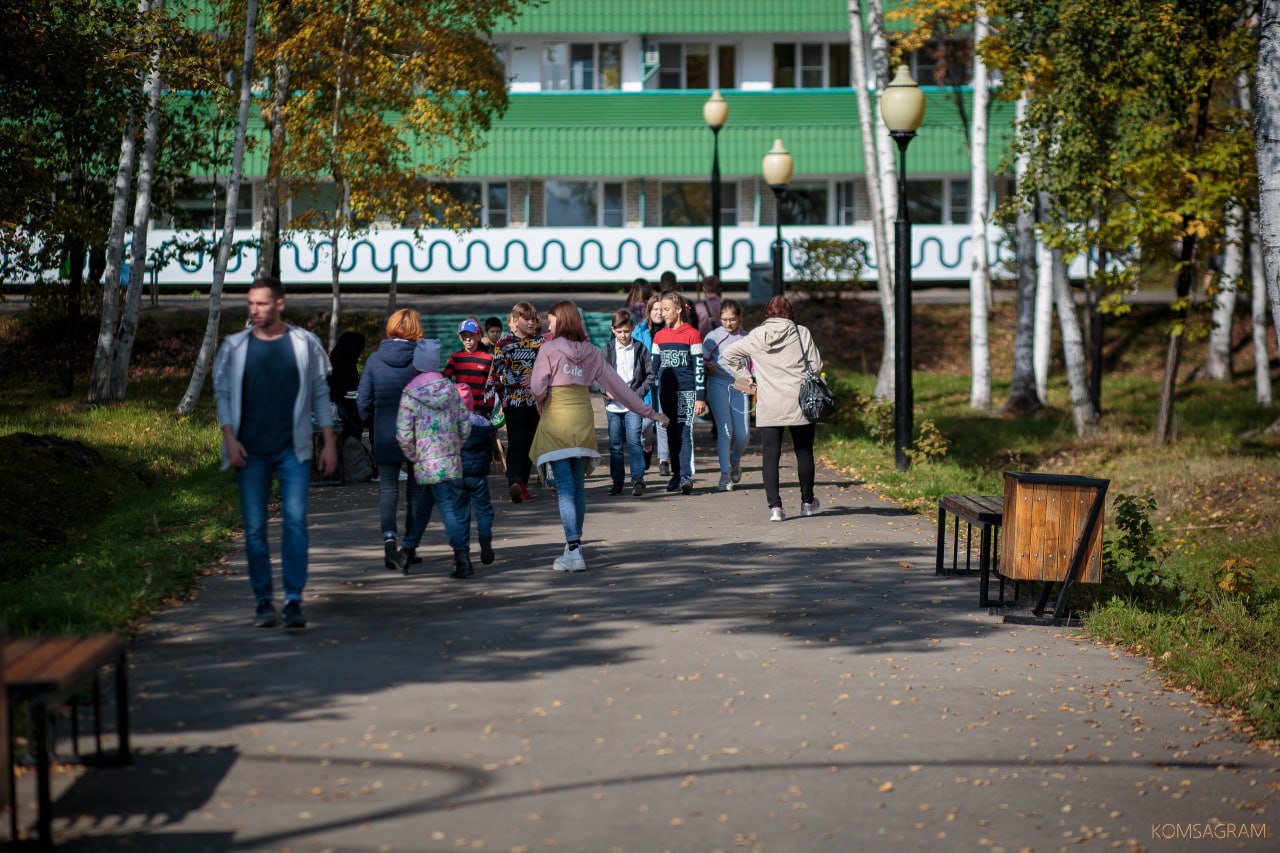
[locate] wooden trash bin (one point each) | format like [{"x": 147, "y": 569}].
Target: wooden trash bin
[{"x": 1053, "y": 532}]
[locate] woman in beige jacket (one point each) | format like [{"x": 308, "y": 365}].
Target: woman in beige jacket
[{"x": 776, "y": 350}]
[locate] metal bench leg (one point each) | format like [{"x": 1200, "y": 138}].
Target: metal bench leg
[
  {"x": 122, "y": 707},
  {"x": 942, "y": 534},
  {"x": 97, "y": 714},
  {"x": 44, "y": 818},
  {"x": 968, "y": 547},
  {"x": 984, "y": 565},
  {"x": 955, "y": 544}
]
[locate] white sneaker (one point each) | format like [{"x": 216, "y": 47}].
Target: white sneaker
[
  {"x": 776, "y": 514},
  {"x": 808, "y": 509},
  {"x": 404, "y": 475},
  {"x": 570, "y": 561}
]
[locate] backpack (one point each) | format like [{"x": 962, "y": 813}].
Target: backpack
[
  {"x": 357, "y": 462},
  {"x": 708, "y": 315}
]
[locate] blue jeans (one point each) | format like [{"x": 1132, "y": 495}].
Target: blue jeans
[
  {"x": 445, "y": 496},
  {"x": 389, "y": 496},
  {"x": 571, "y": 492},
  {"x": 473, "y": 493},
  {"x": 729, "y": 408},
  {"x": 254, "y": 482},
  {"x": 624, "y": 437}
]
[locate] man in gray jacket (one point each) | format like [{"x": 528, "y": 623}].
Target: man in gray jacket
[{"x": 271, "y": 385}]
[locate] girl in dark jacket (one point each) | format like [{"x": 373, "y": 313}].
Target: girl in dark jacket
[{"x": 386, "y": 373}]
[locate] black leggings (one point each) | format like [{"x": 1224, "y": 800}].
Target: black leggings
[
  {"x": 522, "y": 423},
  {"x": 771, "y": 449}
]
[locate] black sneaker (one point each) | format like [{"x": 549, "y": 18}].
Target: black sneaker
[
  {"x": 404, "y": 559},
  {"x": 486, "y": 550},
  {"x": 293, "y": 617},
  {"x": 637, "y": 488},
  {"x": 389, "y": 554},
  {"x": 687, "y": 487},
  {"x": 265, "y": 615},
  {"x": 615, "y": 489},
  {"x": 673, "y": 485}
]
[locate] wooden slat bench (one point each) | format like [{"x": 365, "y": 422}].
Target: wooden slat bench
[
  {"x": 986, "y": 512},
  {"x": 45, "y": 673}
]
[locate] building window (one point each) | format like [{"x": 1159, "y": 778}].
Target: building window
[
  {"x": 496, "y": 209},
  {"x": 696, "y": 66},
  {"x": 613, "y": 208},
  {"x": 486, "y": 202},
  {"x": 943, "y": 62},
  {"x": 805, "y": 66},
  {"x": 727, "y": 67},
  {"x": 804, "y": 203},
  {"x": 581, "y": 66},
  {"x": 958, "y": 201},
  {"x": 687, "y": 204},
  {"x": 925, "y": 201},
  {"x": 784, "y": 66},
  {"x": 203, "y": 206},
  {"x": 838, "y": 66},
  {"x": 846, "y": 202},
  {"x": 583, "y": 204}
]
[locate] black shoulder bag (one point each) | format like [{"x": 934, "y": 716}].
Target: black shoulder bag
[{"x": 817, "y": 403}]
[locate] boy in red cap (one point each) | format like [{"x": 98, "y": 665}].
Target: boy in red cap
[{"x": 473, "y": 367}]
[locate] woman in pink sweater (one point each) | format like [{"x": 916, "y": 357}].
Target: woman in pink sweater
[{"x": 565, "y": 442}]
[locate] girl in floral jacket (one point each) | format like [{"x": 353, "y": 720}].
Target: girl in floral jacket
[{"x": 431, "y": 427}]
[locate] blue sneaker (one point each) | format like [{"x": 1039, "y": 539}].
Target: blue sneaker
[
  {"x": 265, "y": 615},
  {"x": 293, "y": 617}
]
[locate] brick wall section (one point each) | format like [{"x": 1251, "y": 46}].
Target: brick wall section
[
  {"x": 745, "y": 201},
  {"x": 537, "y": 204},
  {"x": 652, "y": 203},
  {"x": 631, "y": 193}
]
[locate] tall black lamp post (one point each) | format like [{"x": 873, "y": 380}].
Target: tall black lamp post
[
  {"x": 715, "y": 112},
  {"x": 902, "y": 108},
  {"x": 778, "y": 168}
]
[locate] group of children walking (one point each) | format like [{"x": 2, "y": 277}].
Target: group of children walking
[{"x": 658, "y": 373}]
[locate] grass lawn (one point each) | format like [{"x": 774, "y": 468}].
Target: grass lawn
[
  {"x": 98, "y": 535},
  {"x": 1208, "y": 611}
]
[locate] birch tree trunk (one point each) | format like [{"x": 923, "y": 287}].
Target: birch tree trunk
[
  {"x": 192, "y": 396},
  {"x": 335, "y": 168},
  {"x": 869, "y": 127},
  {"x": 1082, "y": 409},
  {"x": 100, "y": 375},
  {"x": 1042, "y": 339},
  {"x": 269, "y": 236},
  {"x": 979, "y": 275},
  {"x": 1267, "y": 140},
  {"x": 888, "y": 172},
  {"x": 1023, "y": 394},
  {"x": 1183, "y": 286},
  {"x": 141, "y": 223},
  {"x": 1217, "y": 365},
  {"x": 1261, "y": 353}
]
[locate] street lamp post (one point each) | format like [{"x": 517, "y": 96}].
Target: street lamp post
[
  {"x": 902, "y": 108},
  {"x": 778, "y": 167},
  {"x": 715, "y": 112}
]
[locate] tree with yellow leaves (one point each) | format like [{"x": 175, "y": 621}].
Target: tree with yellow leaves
[{"x": 389, "y": 98}]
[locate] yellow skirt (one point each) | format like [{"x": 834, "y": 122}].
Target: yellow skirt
[{"x": 567, "y": 429}]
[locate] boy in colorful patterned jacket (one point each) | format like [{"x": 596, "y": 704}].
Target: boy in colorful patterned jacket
[{"x": 431, "y": 427}]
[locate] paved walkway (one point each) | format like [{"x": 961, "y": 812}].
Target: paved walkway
[{"x": 714, "y": 682}]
